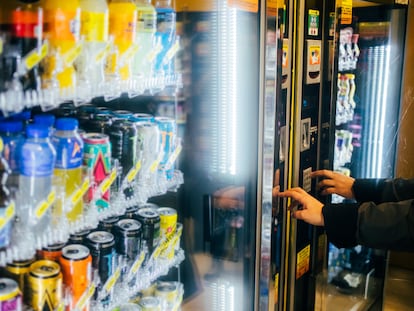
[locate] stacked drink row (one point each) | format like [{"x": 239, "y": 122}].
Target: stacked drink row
[
  {"x": 60, "y": 174},
  {"x": 101, "y": 267},
  {"x": 78, "y": 49}
]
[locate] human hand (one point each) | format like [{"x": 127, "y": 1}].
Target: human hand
[
  {"x": 231, "y": 197},
  {"x": 311, "y": 211},
  {"x": 334, "y": 182}
]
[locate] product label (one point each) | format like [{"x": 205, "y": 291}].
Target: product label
[
  {"x": 94, "y": 26},
  {"x": 9, "y": 212},
  {"x": 69, "y": 152},
  {"x": 302, "y": 261},
  {"x": 63, "y": 25},
  {"x": 35, "y": 56},
  {"x": 27, "y": 24},
  {"x": 165, "y": 21},
  {"x": 147, "y": 21},
  {"x": 313, "y": 22}
]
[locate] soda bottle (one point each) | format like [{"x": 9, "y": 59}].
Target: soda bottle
[
  {"x": 62, "y": 30},
  {"x": 5, "y": 201},
  {"x": 36, "y": 163},
  {"x": 94, "y": 33},
  {"x": 25, "y": 28},
  {"x": 68, "y": 167},
  {"x": 122, "y": 26},
  {"x": 45, "y": 119},
  {"x": 166, "y": 22},
  {"x": 143, "y": 64},
  {"x": 11, "y": 132}
]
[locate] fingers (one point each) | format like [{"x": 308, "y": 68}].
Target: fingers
[{"x": 322, "y": 173}]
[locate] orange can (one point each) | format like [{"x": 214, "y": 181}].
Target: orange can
[
  {"x": 50, "y": 252},
  {"x": 76, "y": 265}
]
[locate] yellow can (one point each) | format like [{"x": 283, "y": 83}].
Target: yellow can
[
  {"x": 44, "y": 282},
  {"x": 168, "y": 221}
]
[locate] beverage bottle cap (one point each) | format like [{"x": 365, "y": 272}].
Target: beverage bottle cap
[
  {"x": 37, "y": 131},
  {"x": 45, "y": 119},
  {"x": 12, "y": 126},
  {"x": 66, "y": 124}
]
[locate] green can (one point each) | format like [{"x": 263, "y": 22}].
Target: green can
[{"x": 97, "y": 158}]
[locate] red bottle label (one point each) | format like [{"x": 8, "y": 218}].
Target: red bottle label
[{"x": 27, "y": 24}]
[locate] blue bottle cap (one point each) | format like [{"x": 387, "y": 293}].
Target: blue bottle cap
[
  {"x": 11, "y": 126},
  {"x": 45, "y": 119},
  {"x": 36, "y": 130},
  {"x": 66, "y": 124}
]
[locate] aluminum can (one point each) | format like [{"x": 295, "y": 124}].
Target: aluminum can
[
  {"x": 10, "y": 295},
  {"x": 108, "y": 224},
  {"x": 44, "y": 283},
  {"x": 142, "y": 117},
  {"x": 131, "y": 212},
  {"x": 150, "y": 220},
  {"x": 17, "y": 270},
  {"x": 167, "y": 291},
  {"x": 123, "y": 136},
  {"x": 97, "y": 158},
  {"x": 149, "y": 148},
  {"x": 168, "y": 137},
  {"x": 122, "y": 114},
  {"x": 150, "y": 303},
  {"x": 101, "y": 245},
  {"x": 76, "y": 265},
  {"x": 79, "y": 237},
  {"x": 50, "y": 252},
  {"x": 128, "y": 238},
  {"x": 168, "y": 221},
  {"x": 98, "y": 123}
]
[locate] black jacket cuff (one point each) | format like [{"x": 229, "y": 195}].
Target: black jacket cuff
[{"x": 341, "y": 224}]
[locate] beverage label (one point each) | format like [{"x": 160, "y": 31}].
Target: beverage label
[
  {"x": 122, "y": 22},
  {"x": 69, "y": 152},
  {"x": 165, "y": 20},
  {"x": 94, "y": 26},
  {"x": 63, "y": 25},
  {"x": 27, "y": 24},
  {"x": 147, "y": 21}
]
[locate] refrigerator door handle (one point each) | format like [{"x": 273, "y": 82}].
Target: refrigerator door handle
[{"x": 208, "y": 220}]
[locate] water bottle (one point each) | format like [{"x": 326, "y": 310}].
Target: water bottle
[
  {"x": 11, "y": 131},
  {"x": 37, "y": 160}
]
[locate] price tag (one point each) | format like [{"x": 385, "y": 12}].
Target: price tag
[
  {"x": 1, "y": 45},
  {"x": 173, "y": 50},
  {"x": 155, "y": 164},
  {"x": 129, "y": 54},
  {"x": 72, "y": 54},
  {"x": 112, "y": 280},
  {"x": 8, "y": 215},
  {"x": 173, "y": 157},
  {"x": 102, "y": 54},
  {"x": 35, "y": 56},
  {"x": 108, "y": 181},
  {"x": 137, "y": 264},
  {"x": 80, "y": 192},
  {"x": 86, "y": 297},
  {"x": 133, "y": 172},
  {"x": 155, "y": 51},
  {"x": 43, "y": 206}
]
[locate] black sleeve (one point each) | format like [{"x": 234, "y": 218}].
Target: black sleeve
[
  {"x": 383, "y": 190},
  {"x": 341, "y": 224}
]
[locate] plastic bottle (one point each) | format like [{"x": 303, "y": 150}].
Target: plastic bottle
[
  {"x": 11, "y": 132},
  {"x": 62, "y": 30},
  {"x": 122, "y": 26},
  {"x": 143, "y": 65},
  {"x": 25, "y": 27},
  {"x": 5, "y": 202},
  {"x": 166, "y": 23},
  {"x": 68, "y": 167},
  {"x": 94, "y": 33},
  {"x": 45, "y": 119},
  {"x": 36, "y": 163}
]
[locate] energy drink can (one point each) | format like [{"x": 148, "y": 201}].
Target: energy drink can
[
  {"x": 142, "y": 117},
  {"x": 123, "y": 136},
  {"x": 108, "y": 224},
  {"x": 10, "y": 295},
  {"x": 44, "y": 283},
  {"x": 97, "y": 158},
  {"x": 101, "y": 246},
  {"x": 76, "y": 265},
  {"x": 50, "y": 252},
  {"x": 122, "y": 114},
  {"x": 148, "y": 205},
  {"x": 98, "y": 123},
  {"x": 150, "y": 221},
  {"x": 150, "y": 303},
  {"x": 168, "y": 136},
  {"x": 168, "y": 221},
  {"x": 131, "y": 212},
  {"x": 17, "y": 270},
  {"x": 149, "y": 148},
  {"x": 79, "y": 237},
  {"x": 128, "y": 238}
]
